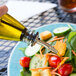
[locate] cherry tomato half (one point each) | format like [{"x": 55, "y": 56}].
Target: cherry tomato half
[
  {"x": 54, "y": 61},
  {"x": 65, "y": 70},
  {"x": 24, "y": 61}
]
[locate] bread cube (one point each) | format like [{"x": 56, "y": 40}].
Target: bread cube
[
  {"x": 46, "y": 72},
  {"x": 35, "y": 73},
  {"x": 45, "y": 35}
]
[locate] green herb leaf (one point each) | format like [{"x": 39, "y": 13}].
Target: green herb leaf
[
  {"x": 71, "y": 35},
  {"x": 25, "y": 72},
  {"x": 68, "y": 51},
  {"x": 73, "y": 43}
]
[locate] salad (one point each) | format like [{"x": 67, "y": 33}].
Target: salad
[{"x": 39, "y": 61}]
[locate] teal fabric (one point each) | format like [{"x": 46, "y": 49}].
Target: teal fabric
[{"x": 13, "y": 65}]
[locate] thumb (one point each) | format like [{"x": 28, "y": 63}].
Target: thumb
[{"x": 3, "y": 10}]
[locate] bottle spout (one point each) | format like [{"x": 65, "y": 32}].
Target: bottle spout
[
  {"x": 48, "y": 46},
  {"x": 29, "y": 37},
  {"x": 33, "y": 38}
]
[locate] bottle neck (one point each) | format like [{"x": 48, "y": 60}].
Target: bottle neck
[{"x": 29, "y": 36}]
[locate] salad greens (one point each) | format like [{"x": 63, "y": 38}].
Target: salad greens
[
  {"x": 73, "y": 74},
  {"x": 68, "y": 51},
  {"x": 71, "y": 35},
  {"x": 25, "y": 72},
  {"x": 71, "y": 45}
]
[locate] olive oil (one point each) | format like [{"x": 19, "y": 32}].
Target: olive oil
[{"x": 11, "y": 29}]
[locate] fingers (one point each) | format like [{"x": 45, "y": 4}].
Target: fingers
[{"x": 3, "y": 10}]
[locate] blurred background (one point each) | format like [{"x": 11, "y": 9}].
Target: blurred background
[
  {"x": 33, "y": 14},
  {"x": 21, "y": 9}
]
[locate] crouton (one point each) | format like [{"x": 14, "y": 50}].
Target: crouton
[
  {"x": 45, "y": 35},
  {"x": 35, "y": 73},
  {"x": 46, "y": 72}
]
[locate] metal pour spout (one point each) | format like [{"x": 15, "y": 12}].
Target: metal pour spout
[{"x": 48, "y": 46}]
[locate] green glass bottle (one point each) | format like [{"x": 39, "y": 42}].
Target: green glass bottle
[{"x": 11, "y": 29}]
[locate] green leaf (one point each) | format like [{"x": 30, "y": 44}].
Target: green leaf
[
  {"x": 25, "y": 72},
  {"x": 21, "y": 73},
  {"x": 73, "y": 62},
  {"x": 23, "y": 50},
  {"x": 68, "y": 51},
  {"x": 73, "y": 43},
  {"x": 71, "y": 35}
]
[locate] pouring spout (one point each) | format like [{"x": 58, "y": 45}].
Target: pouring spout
[{"x": 48, "y": 46}]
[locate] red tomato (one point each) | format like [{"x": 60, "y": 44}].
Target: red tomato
[
  {"x": 54, "y": 61},
  {"x": 24, "y": 61},
  {"x": 63, "y": 75},
  {"x": 65, "y": 70}
]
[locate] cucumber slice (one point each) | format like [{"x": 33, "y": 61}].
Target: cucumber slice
[
  {"x": 61, "y": 31},
  {"x": 73, "y": 74},
  {"x": 32, "y": 50},
  {"x": 37, "y": 62}
]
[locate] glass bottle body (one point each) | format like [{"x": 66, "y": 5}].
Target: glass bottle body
[{"x": 11, "y": 29}]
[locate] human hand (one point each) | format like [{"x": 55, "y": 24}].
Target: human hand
[{"x": 3, "y": 10}]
